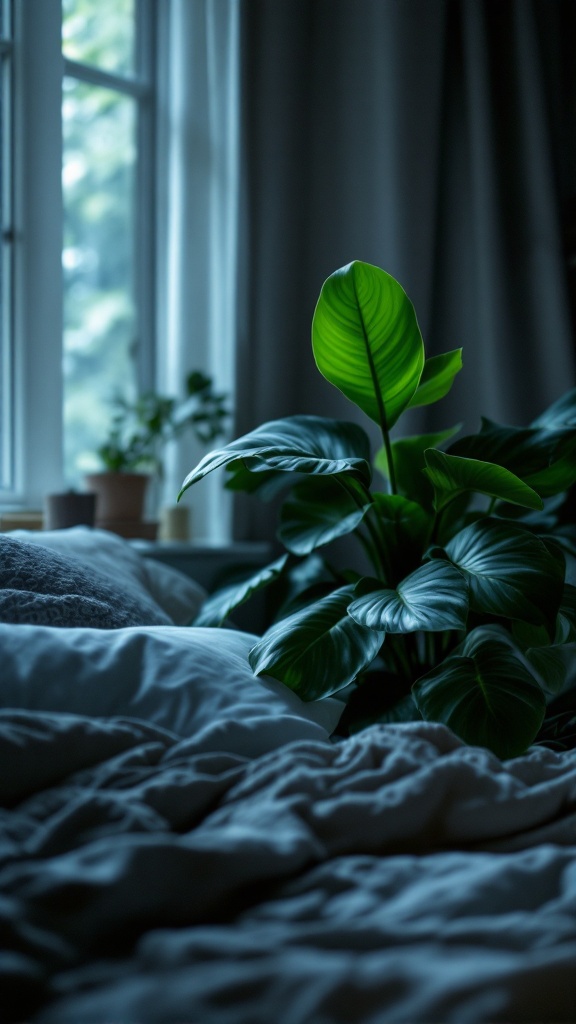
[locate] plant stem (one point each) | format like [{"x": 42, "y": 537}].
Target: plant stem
[
  {"x": 377, "y": 554},
  {"x": 390, "y": 458}
]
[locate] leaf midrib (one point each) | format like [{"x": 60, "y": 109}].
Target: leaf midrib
[{"x": 371, "y": 364}]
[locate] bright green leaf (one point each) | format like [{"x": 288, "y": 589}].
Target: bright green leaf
[
  {"x": 437, "y": 378},
  {"x": 433, "y": 598},
  {"x": 298, "y": 444},
  {"x": 367, "y": 342},
  {"x": 218, "y": 606},
  {"x": 485, "y": 694},
  {"x": 318, "y": 650},
  {"x": 452, "y": 475}
]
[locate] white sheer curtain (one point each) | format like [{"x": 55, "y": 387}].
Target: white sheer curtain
[{"x": 197, "y": 225}]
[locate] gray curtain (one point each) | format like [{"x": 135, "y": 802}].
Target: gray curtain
[{"x": 427, "y": 137}]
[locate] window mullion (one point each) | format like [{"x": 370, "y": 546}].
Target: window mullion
[{"x": 135, "y": 87}]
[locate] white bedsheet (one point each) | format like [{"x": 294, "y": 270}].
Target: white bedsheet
[{"x": 150, "y": 874}]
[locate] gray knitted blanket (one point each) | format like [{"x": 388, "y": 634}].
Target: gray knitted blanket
[{"x": 39, "y": 586}]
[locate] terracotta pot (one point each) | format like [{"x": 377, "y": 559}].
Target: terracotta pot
[{"x": 119, "y": 496}]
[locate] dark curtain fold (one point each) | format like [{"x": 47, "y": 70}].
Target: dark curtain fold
[{"x": 429, "y": 137}]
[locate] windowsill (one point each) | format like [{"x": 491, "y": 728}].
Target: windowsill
[{"x": 208, "y": 562}]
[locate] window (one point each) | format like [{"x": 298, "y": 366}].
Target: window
[
  {"x": 107, "y": 131},
  {"x": 123, "y": 182},
  {"x": 6, "y": 232},
  {"x": 77, "y": 99}
]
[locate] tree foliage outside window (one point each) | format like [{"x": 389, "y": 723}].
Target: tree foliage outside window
[
  {"x": 99, "y": 179},
  {"x": 100, "y": 33}
]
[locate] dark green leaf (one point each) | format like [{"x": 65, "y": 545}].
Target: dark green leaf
[
  {"x": 308, "y": 576},
  {"x": 433, "y": 598},
  {"x": 437, "y": 378},
  {"x": 319, "y": 511},
  {"x": 565, "y": 536},
  {"x": 409, "y": 463},
  {"x": 566, "y": 625},
  {"x": 543, "y": 459},
  {"x": 548, "y": 665},
  {"x": 546, "y": 661},
  {"x": 298, "y": 444},
  {"x": 367, "y": 342},
  {"x": 451, "y": 475},
  {"x": 485, "y": 694},
  {"x": 319, "y": 649},
  {"x": 266, "y": 485},
  {"x": 510, "y": 571},
  {"x": 218, "y": 606}
]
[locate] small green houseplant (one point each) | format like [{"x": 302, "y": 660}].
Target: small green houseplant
[
  {"x": 139, "y": 429},
  {"x": 132, "y": 450},
  {"x": 465, "y": 616}
]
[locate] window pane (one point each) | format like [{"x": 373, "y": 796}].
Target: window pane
[
  {"x": 99, "y": 168},
  {"x": 101, "y": 33}
]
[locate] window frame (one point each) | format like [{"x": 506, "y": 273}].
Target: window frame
[
  {"x": 7, "y": 206},
  {"x": 36, "y": 328}
]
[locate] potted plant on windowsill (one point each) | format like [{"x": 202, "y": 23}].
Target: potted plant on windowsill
[
  {"x": 131, "y": 453},
  {"x": 466, "y": 615}
]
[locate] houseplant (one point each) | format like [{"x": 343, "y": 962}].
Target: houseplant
[
  {"x": 138, "y": 431},
  {"x": 465, "y": 616}
]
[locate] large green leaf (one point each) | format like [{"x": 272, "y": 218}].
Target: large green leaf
[
  {"x": 510, "y": 571},
  {"x": 543, "y": 459},
  {"x": 437, "y": 378},
  {"x": 318, "y": 650},
  {"x": 367, "y": 342},
  {"x": 452, "y": 475},
  {"x": 485, "y": 694},
  {"x": 433, "y": 598},
  {"x": 560, "y": 415},
  {"x": 298, "y": 444},
  {"x": 318, "y": 511},
  {"x": 218, "y": 606},
  {"x": 409, "y": 463}
]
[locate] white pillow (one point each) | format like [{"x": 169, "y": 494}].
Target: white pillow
[
  {"x": 176, "y": 594},
  {"x": 194, "y": 682}
]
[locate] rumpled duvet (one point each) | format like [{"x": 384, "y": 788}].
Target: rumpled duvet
[{"x": 233, "y": 875}]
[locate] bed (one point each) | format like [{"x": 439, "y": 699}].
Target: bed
[{"x": 183, "y": 842}]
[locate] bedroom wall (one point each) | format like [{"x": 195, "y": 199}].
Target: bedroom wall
[{"x": 429, "y": 137}]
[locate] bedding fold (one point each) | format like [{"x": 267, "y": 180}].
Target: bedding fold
[{"x": 170, "y": 884}]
